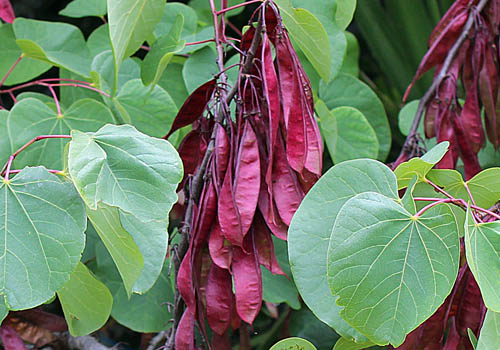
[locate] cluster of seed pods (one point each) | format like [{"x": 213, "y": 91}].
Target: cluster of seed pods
[
  {"x": 474, "y": 24},
  {"x": 476, "y": 66},
  {"x": 265, "y": 156}
]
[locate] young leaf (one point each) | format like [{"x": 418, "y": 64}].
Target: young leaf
[
  {"x": 293, "y": 343},
  {"x": 312, "y": 225},
  {"x": 348, "y": 344},
  {"x": 345, "y": 12},
  {"x": 131, "y": 23},
  {"x": 27, "y": 68},
  {"x": 84, "y": 8},
  {"x": 41, "y": 236},
  {"x": 490, "y": 332},
  {"x": 86, "y": 302},
  {"x": 172, "y": 11},
  {"x": 43, "y": 41},
  {"x": 420, "y": 166},
  {"x": 482, "y": 243},
  {"x": 391, "y": 270},
  {"x": 346, "y": 90},
  {"x": 309, "y": 34}
]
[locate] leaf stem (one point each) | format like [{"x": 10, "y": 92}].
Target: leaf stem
[
  {"x": 11, "y": 69},
  {"x": 218, "y": 13},
  {"x": 6, "y": 168},
  {"x": 433, "y": 204},
  {"x": 457, "y": 201},
  {"x": 48, "y": 83},
  {"x": 56, "y": 100}
]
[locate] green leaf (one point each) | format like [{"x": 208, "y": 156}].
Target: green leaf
[
  {"x": 146, "y": 313},
  {"x": 348, "y": 344},
  {"x": 484, "y": 187},
  {"x": 104, "y": 66},
  {"x": 138, "y": 175},
  {"x": 350, "y": 65},
  {"x": 71, "y": 94},
  {"x": 84, "y": 8},
  {"x": 356, "y": 138},
  {"x": 59, "y": 44},
  {"x": 345, "y": 12},
  {"x": 119, "y": 243},
  {"x": 99, "y": 40},
  {"x": 42, "y": 236},
  {"x": 173, "y": 82},
  {"x": 346, "y": 90},
  {"x": 328, "y": 125},
  {"x": 293, "y": 343},
  {"x": 162, "y": 51},
  {"x": 308, "y": 32},
  {"x": 472, "y": 338},
  {"x": 420, "y": 166},
  {"x": 489, "y": 338},
  {"x": 204, "y": 12},
  {"x": 26, "y": 69},
  {"x": 482, "y": 247},
  {"x": 86, "y": 302},
  {"x": 199, "y": 68},
  {"x": 30, "y": 118},
  {"x": 303, "y": 324},
  {"x": 150, "y": 111},
  {"x": 277, "y": 288},
  {"x": 5, "y": 150},
  {"x": 131, "y": 23},
  {"x": 170, "y": 14},
  {"x": 311, "y": 227},
  {"x": 390, "y": 269}
]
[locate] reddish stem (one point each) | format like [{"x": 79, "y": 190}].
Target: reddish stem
[
  {"x": 200, "y": 42},
  {"x": 11, "y": 69},
  {"x": 56, "y": 100},
  {"x": 433, "y": 204},
  {"x": 218, "y": 13},
  {"x": 457, "y": 201},
  {"x": 147, "y": 48},
  {"x": 16, "y": 171},
  {"x": 233, "y": 27},
  {"x": 46, "y": 82},
  {"x": 6, "y": 169}
]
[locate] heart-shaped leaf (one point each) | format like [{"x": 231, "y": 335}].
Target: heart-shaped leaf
[
  {"x": 42, "y": 236},
  {"x": 312, "y": 225},
  {"x": 391, "y": 269}
]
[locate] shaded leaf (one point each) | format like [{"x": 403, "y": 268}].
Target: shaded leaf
[
  {"x": 490, "y": 332},
  {"x": 84, "y": 8}
]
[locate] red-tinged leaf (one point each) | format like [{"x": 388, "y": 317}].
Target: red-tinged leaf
[
  {"x": 222, "y": 151},
  {"x": 488, "y": 91},
  {"x": 184, "y": 337},
  {"x": 185, "y": 281},
  {"x": 267, "y": 208},
  {"x": 6, "y": 11},
  {"x": 219, "y": 299},
  {"x": 272, "y": 94},
  {"x": 10, "y": 339},
  {"x": 458, "y": 6},
  {"x": 286, "y": 189},
  {"x": 452, "y": 338},
  {"x": 247, "y": 284},
  {"x": 264, "y": 246},
  {"x": 229, "y": 218},
  {"x": 247, "y": 177},
  {"x": 193, "y": 107},
  {"x": 220, "y": 248},
  {"x": 440, "y": 47}
]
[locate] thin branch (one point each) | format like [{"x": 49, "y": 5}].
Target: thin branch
[
  {"x": 11, "y": 69},
  {"x": 442, "y": 74},
  {"x": 218, "y": 13},
  {"x": 56, "y": 100},
  {"x": 197, "y": 182}
]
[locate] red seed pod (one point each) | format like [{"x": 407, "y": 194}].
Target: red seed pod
[
  {"x": 219, "y": 298},
  {"x": 6, "y": 11}
]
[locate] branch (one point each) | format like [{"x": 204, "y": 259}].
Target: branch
[
  {"x": 197, "y": 182},
  {"x": 442, "y": 74}
]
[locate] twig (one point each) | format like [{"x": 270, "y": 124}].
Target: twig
[
  {"x": 86, "y": 342},
  {"x": 11, "y": 69},
  {"x": 441, "y": 75},
  {"x": 196, "y": 186},
  {"x": 156, "y": 340}
]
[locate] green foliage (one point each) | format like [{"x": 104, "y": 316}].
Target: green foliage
[{"x": 291, "y": 343}]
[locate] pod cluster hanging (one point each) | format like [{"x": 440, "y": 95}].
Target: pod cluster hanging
[
  {"x": 262, "y": 160},
  {"x": 476, "y": 64}
]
